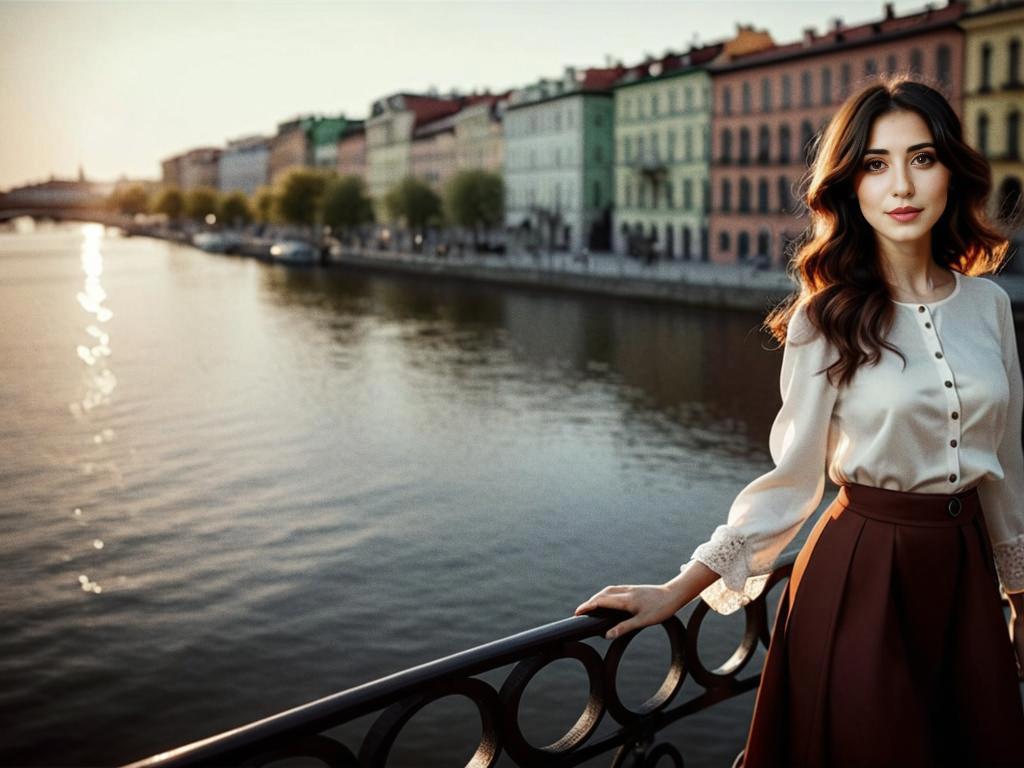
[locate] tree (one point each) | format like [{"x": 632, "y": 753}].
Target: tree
[
  {"x": 475, "y": 199},
  {"x": 264, "y": 204},
  {"x": 201, "y": 202},
  {"x": 413, "y": 201},
  {"x": 234, "y": 209},
  {"x": 171, "y": 203},
  {"x": 129, "y": 200},
  {"x": 345, "y": 204},
  {"x": 300, "y": 194}
]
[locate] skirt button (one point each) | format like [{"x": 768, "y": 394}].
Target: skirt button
[{"x": 953, "y": 507}]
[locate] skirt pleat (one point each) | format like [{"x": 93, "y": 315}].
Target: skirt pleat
[{"x": 889, "y": 647}]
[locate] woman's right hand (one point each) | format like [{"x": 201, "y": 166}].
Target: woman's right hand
[{"x": 651, "y": 603}]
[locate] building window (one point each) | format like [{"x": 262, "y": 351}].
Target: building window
[
  {"x": 726, "y": 205},
  {"x": 689, "y": 98},
  {"x": 764, "y": 144},
  {"x": 726, "y": 146},
  {"x": 845, "y": 76},
  {"x": 744, "y": 146},
  {"x": 673, "y": 99},
  {"x": 642, "y": 201},
  {"x": 1013, "y": 65},
  {"x": 629, "y": 194},
  {"x": 890, "y": 63},
  {"x": 983, "y": 133},
  {"x": 764, "y": 240},
  {"x": 943, "y": 62},
  {"x": 766, "y": 95},
  {"x": 629, "y": 149},
  {"x": 916, "y": 61},
  {"x": 727, "y": 100},
  {"x": 671, "y": 146},
  {"x": 669, "y": 196},
  {"x": 746, "y": 98},
  {"x": 807, "y": 140},
  {"x": 1013, "y": 135},
  {"x": 723, "y": 242},
  {"x": 655, "y": 149},
  {"x": 787, "y": 91},
  {"x": 744, "y": 195},
  {"x": 743, "y": 246},
  {"x": 986, "y": 67},
  {"x": 785, "y": 195},
  {"x": 688, "y": 138},
  {"x": 870, "y": 67},
  {"x": 654, "y": 104},
  {"x": 805, "y": 88},
  {"x": 687, "y": 194},
  {"x": 762, "y": 195},
  {"x": 785, "y": 142},
  {"x": 826, "y": 86}
]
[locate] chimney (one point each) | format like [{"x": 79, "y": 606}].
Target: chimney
[
  {"x": 808, "y": 36},
  {"x": 889, "y": 14}
]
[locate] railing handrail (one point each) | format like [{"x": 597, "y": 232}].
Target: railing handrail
[{"x": 378, "y": 694}]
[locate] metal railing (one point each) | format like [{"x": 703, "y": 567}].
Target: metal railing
[{"x": 397, "y": 698}]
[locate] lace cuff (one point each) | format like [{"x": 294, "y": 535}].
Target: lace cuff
[
  {"x": 1009, "y": 557},
  {"x": 725, "y": 554}
]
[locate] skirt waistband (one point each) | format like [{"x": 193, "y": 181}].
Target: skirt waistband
[{"x": 910, "y": 508}]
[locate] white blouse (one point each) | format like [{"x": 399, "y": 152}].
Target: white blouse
[{"x": 950, "y": 418}]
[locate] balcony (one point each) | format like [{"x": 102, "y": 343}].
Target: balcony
[{"x": 649, "y": 163}]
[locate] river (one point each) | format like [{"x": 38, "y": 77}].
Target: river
[{"x": 230, "y": 488}]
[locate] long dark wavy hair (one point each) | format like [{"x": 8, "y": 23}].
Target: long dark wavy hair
[{"x": 836, "y": 263}]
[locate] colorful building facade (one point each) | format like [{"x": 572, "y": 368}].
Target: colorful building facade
[
  {"x": 769, "y": 107},
  {"x": 559, "y": 150},
  {"x": 662, "y": 139},
  {"x": 993, "y": 106}
]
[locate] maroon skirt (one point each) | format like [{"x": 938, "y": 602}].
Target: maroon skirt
[{"x": 890, "y": 647}]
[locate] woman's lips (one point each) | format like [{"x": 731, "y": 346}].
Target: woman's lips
[{"x": 908, "y": 216}]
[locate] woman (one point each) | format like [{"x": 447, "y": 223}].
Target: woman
[{"x": 900, "y": 380}]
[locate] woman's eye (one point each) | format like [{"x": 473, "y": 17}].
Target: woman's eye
[
  {"x": 870, "y": 165},
  {"x": 927, "y": 158}
]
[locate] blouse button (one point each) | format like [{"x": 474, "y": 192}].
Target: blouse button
[
  {"x": 949, "y": 383},
  {"x": 920, "y": 309},
  {"x": 927, "y": 325},
  {"x": 955, "y": 415},
  {"x": 953, "y": 443},
  {"x": 952, "y": 478},
  {"x": 938, "y": 354}
]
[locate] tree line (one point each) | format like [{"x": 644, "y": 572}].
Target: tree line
[{"x": 312, "y": 198}]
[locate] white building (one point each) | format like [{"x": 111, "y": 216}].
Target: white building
[
  {"x": 558, "y": 159},
  {"x": 244, "y": 164}
]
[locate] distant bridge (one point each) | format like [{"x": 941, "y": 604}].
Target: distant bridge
[{"x": 64, "y": 213}]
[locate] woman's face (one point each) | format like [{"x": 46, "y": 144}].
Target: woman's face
[{"x": 900, "y": 169}]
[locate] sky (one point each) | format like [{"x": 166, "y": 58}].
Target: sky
[{"x": 115, "y": 87}]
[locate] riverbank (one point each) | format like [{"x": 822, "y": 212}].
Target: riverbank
[{"x": 693, "y": 283}]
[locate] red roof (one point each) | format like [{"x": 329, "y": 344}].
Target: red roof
[
  {"x": 862, "y": 33},
  {"x": 427, "y": 108}
]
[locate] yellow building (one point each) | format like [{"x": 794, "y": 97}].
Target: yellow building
[{"x": 994, "y": 103}]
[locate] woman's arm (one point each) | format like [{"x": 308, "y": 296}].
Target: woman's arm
[{"x": 651, "y": 603}]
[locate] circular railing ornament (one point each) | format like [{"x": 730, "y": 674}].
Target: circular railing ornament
[
  {"x": 382, "y": 734},
  {"x": 511, "y": 694},
  {"x": 669, "y": 687}
]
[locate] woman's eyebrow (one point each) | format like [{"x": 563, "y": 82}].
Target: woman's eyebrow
[{"x": 914, "y": 148}]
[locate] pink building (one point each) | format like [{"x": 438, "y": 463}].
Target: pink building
[
  {"x": 770, "y": 105},
  {"x": 352, "y": 153}
]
